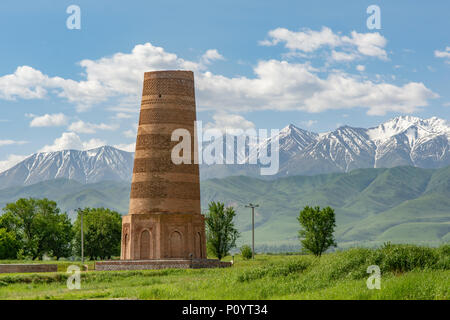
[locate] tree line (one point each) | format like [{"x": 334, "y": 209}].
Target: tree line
[{"x": 31, "y": 228}]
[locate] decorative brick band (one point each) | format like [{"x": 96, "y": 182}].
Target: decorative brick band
[
  {"x": 158, "y": 115},
  {"x": 163, "y": 128},
  {"x": 164, "y": 189},
  {"x": 155, "y": 140},
  {"x": 169, "y": 102},
  {"x": 142, "y": 206},
  {"x": 162, "y": 165},
  {"x": 163, "y": 86},
  {"x": 170, "y": 74},
  {"x": 169, "y": 176}
]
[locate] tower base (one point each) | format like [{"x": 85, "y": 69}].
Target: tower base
[
  {"x": 114, "y": 265},
  {"x": 163, "y": 236}
]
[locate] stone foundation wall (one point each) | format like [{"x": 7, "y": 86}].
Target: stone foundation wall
[
  {"x": 27, "y": 268},
  {"x": 159, "y": 264}
]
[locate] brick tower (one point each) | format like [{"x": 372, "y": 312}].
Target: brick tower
[{"x": 164, "y": 219}]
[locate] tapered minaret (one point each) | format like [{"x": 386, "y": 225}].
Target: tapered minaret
[{"x": 164, "y": 219}]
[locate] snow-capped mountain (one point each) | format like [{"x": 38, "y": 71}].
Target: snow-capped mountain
[
  {"x": 399, "y": 141},
  {"x": 344, "y": 149},
  {"x": 291, "y": 141},
  {"x": 100, "y": 164},
  {"x": 411, "y": 141}
]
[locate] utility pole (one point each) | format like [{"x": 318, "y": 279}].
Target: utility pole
[
  {"x": 82, "y": 235},
  {"x": 253, "y": 206}
]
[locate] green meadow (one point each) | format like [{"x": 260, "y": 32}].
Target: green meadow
[{"x": 407, "y": 272}]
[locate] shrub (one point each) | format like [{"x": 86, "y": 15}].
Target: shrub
[
  {"x": 404, "y": 257},
  {"x": 246, "y": 252}
]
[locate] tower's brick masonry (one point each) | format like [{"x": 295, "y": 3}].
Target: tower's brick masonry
[{"x": 164, "y": 220}]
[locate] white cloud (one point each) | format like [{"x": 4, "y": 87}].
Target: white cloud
[
  {"x": 25, "y": 83},
  {"x": 87, "y": 127},
  {"x": 131, "y": 133},
  {"x": 280, "y": 85},
  {"x": 309, "y": 123},
  {"x": 126, "y": 147},
  {"x": 123, "y": 115},
  {"x": 356, "y": 45},
  {"x": 48, "y": 120},
  {"x": 211, "y": 55},
  {"x": 229, "y": 123},
  {"x": 360, "y": 68},
  {"x": 70, "y": 140},
  {"x": 120, "y": 74},
  {"x": 368, "y": 44},
  {"x": 306, "y": 41},
  {"x": 276, "y": 85},
  {"x": 343, "y": 56},
  {"x": 11, "y": 161},
  {"x": 443, "y": 54},
  {"x": 11, "y": 142}
]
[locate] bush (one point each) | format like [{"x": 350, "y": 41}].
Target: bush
[
  {"x": 402, "y": 258},
  {"x": 353, "y": 263},
  {"x": 246, "y": 252},
  {"x": 444, "y": 257}
]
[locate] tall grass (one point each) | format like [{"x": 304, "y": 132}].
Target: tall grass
[{"x": 407, "y": 271}]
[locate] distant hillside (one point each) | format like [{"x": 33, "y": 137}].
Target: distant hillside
[
  {"x": 402, "y": 204},
  {"x": 71, "y": 194}
]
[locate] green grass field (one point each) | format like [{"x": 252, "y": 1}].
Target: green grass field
[{"x": 407, "y": 272}]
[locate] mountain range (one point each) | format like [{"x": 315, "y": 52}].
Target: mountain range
[
  {"x": 401, "y": 204},
  {"x": 402, "y": 141}
]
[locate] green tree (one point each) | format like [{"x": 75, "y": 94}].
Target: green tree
[
  {"x": 39, "y": 226},
  {"x": 9, "y": 245},
  {"x": 246, "y": 252},
  {"x": 18, "y": 218},
  {"x": 317, "y": 230},
  {"x": 102, "y": 229},
  {"x": 221, "y": 234},
  {"x": 55, "y": 232}
]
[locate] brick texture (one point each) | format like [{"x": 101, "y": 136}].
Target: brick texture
[
  {"x": 160, "y": 264},
  {"x": 164, "y": 219},
  {"x": 27, "y": 268}
]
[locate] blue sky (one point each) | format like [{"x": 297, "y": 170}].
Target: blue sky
[{"x": 261, "y": 64}]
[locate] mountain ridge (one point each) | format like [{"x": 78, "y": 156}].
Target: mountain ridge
[{"x": 399, "y": 141}]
